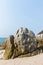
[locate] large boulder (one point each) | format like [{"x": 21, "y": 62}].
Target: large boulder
[
  {"x": 25, "y": 41},
  {"x": 22, "y": 43}
]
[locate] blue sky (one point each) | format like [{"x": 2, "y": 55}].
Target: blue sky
[{"x": 20, "y": 13}]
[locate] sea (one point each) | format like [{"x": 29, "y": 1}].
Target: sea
[{"x": 2, "y": 40}]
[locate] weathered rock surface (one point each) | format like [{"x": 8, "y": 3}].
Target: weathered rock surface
[
  {"x": 39, "y": 38},
  {"x": 25, "y": 40},
  {"x": 23, "y": 44},
  {"x": 9, "y": 47}
]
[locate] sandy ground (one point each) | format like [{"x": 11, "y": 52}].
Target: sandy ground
[{"x": 35, "y": 60}]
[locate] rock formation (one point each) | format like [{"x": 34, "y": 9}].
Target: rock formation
[
  {"x": 39, "y": 38},
  {"x": 9, "y": 47},
  {"x": 24, "y": 42}
]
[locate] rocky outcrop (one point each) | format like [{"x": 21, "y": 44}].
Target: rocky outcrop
[
  {"x": 39, "y": 38},
  {"x": 24, "y": 42}
]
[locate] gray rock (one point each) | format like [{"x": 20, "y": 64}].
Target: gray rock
[
  {"x": 26, "y": 40},
  {"x": 22, "y": 43}
]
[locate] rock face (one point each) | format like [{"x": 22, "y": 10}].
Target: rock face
[
  {"x": 9, "y": 47},
  {"x": 25, "y": 40},
  {"x": 22, "y": 43},
  {"x": 39, "y": 38}
]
